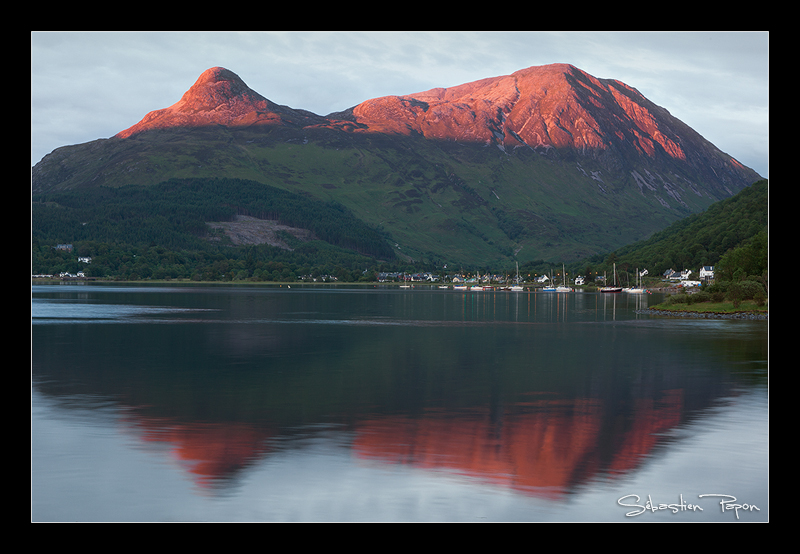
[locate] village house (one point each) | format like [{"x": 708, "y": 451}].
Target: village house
[
  {"x": 68, "y": 275},
  {"x": 707, "y": 273},
  {"x": 416, "y": 277},
  {"x": 673, "y": 275}
]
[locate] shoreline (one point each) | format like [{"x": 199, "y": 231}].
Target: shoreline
[{"x": 705, "y": 315}]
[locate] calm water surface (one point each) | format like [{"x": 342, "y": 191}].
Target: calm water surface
[{"x": 192, "y": 403}]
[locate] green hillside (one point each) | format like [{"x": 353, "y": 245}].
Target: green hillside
[
  {"x": 161, "y": 231},
  {"x": 435, "y": 201},
  {"x": 731, "y": 235}
]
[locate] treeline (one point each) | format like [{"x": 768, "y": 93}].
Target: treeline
[{"x": 132, "y": 262}]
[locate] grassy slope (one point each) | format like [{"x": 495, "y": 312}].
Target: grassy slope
[
  {"x": 446, "y": 202},
  {"x": 451, "y": 202}
]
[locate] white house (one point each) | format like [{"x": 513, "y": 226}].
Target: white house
[
  {"x": 579, "y": 280},
  {"x": 707, "y": 272}
]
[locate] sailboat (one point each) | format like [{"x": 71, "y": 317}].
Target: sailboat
[
  {"x": 638, "y": 288},
  {"x": 563, "y": 286},
  {"x": 551, "y": 287},
  {"x": 517, "y": 287},
  {"x": 615, "y": 288},
  {"x": 478, "y": 285}
]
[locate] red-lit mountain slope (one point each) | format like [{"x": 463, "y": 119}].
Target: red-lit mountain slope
[
  {"x": 552, "y": 106},
  {"x": 220, "y": 97}
]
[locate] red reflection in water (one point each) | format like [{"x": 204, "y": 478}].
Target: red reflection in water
[
  {"x": 543, "y": 448},
  {"x": 544, "y": 453},
  {"x": 653, "y": 419},
  {"x": 212, "y": 453}
]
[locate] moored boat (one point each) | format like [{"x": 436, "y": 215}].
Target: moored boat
[
  {"x": 611, "y": 289},
  {"x": 614, "y": 288},
  {"x": 638, "y": 289}
]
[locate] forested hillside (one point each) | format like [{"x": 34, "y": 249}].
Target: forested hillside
[
  {"x": 169, "y": 221},
  {"x": 173, "y": 214},
  {"x": 705, "y": 239}
]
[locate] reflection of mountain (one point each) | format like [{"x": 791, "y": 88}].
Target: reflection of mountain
[
  {"x": 545, "y": 448},
  {"x": 549, "y": 452},
  {"x": 212, "y": 453},
  {"x": 651, "y": 420}
]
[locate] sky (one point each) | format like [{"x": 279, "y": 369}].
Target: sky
[{"x": 91, "y": 85}]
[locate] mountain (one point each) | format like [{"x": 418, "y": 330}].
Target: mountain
[
  {"x": 220, "y": 97},
  {"x": 546, "y": 163}
]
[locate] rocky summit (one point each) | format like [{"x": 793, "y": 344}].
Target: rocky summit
[
  {"x": 219, "y": 97},
  {"x": 548, "y": 162},
  {"x": 551, "y": 106},
  {"x": 554, "y": 106}
]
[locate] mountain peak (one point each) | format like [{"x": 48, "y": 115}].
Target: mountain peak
[
  {"x": 217, "y": 87},
  {"x": 216, "y": 74},
  {"x": 219, "y": 97},
  {"x": 557, "y": 105}
]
